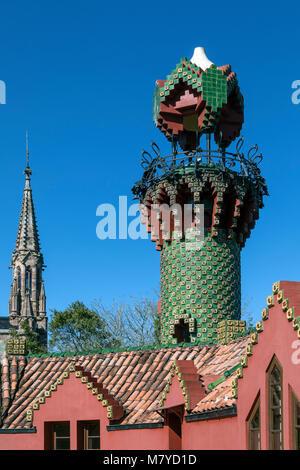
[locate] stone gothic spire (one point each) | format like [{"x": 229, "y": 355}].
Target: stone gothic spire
[{"x": 27, "y": 299}]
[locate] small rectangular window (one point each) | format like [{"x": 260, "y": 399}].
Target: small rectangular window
[
  {"x": 88, "y": 433},
  {"x": 58, "y": 435}
]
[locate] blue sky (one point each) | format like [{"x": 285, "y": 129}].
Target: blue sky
[{"x": 80, "y": 77}]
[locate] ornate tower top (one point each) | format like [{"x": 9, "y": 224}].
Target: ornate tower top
[
  {"x": 200, "y": 203},
  {"x": 198, "y": 97}
]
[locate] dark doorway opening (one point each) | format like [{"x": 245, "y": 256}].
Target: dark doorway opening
[{"x": 174, "y": 417}]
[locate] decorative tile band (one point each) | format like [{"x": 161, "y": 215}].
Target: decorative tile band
[
  {"x": 16, "y": 346},
  {"x": 228, "y": 330}
]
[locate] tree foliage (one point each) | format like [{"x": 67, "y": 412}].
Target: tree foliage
[{"x": 79, "y": 328}]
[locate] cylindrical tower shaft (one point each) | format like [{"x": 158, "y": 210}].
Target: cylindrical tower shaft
[
  {"x": 199, "y": 288},
  {"x": 201, "y": 277}
]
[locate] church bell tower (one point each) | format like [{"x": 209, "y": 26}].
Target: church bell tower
[{"x": 27, "y": 298}]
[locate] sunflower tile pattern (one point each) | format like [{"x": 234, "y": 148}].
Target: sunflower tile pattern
[{"x": 199, "y": 289}]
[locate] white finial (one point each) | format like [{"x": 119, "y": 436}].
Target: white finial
[{"x": 199, "y": 58}]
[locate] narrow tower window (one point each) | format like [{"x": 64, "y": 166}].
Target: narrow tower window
[{"x": 28, "y": 280}]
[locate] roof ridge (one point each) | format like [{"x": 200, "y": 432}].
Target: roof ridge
[
  {"x": 150, "y": 347},
  {"x": 223, "y": 377}
]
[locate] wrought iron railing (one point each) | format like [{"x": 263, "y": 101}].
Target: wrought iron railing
[{"x": 156, "y": 166}]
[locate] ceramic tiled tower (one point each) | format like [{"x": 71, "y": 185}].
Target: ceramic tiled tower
[
  {"x": 27, "y": 298},
  {"x": 200, "y": 282}
]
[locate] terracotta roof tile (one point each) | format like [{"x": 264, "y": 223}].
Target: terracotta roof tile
[{"x": 135, "y": 379}]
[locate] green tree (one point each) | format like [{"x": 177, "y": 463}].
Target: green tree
[{"x": 78, "y": 329}]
